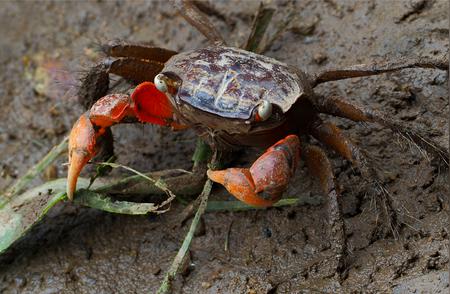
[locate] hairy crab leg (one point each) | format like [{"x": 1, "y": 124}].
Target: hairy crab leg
[
  {"x": 96, "y": 82},
  {"x": 376, "y": 68},
  {"x": 199, "y": 20},
  {"x": 330, "y": 135},
  {"x": 339, "y": 106},
  {"x": 320, "y": 167},
  {"x": 118, "y": 48},
  {"x": 265, "y": 181},
  {"x": 135, "y": 70},
  {"x": 146, "y": 105}
]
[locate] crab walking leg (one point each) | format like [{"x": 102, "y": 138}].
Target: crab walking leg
[
  {"x": 95, "y": 83},
  {"x": 330, "y": 135},
  {"x": 146, "y": 105},
  {"x": 376, "y": 68},
  {"x": 118, "y": 48},
  {"x": 199, "y": 20},
  {"x": 320, "y": 167},
  {"x": 339, "y": 106},
  {"x": 265, "y": 181}
]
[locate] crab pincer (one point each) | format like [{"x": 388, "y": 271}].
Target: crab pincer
[
  {"x": 146, "y": 105},
  {"x": 82, "y": 148},
  {"x": 86, "y": 136},
  {"x": 265, "y": 181}
]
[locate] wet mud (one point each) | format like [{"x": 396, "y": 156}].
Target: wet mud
[{"x": 277, "y": 250}]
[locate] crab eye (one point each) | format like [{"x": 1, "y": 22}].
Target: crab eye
[
  {"x": 264, "y": 111},
  {"x": 160, "y": 83}
]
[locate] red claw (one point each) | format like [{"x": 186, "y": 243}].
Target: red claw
[
  {"x": 153, "y": 106},
  {"x": 82, "y": 148}
]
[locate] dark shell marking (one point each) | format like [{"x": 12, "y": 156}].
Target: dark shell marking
[{"x": 231, "y": 82}]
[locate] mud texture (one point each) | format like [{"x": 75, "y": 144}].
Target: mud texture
[{"x": 278, "y": 250}]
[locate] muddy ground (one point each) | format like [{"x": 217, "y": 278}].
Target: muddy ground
[{"x": 278, "y": 250}]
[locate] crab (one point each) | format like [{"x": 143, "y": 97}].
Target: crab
[{"x": 235, "y": 98}]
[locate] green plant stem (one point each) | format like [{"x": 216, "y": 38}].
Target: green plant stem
[
  {"x": 241, "y": 206},
  {"x": 157, "y": 182},
  {"x": 179, "y": 184},
  {"x": 201, "y": 154},
  {"x": 259, "y": 27},
  {"x": 178, "y": 260},
  {"x": 281, "y": 29},
  {"x": 23, "y": 181}
]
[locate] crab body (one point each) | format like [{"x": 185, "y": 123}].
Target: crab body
[
  {"x": 231, "y": 82},
  {"x": 220, "y": 88}
]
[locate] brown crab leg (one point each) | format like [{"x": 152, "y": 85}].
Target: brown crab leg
[
  {"x": 376, "y": 68},
  {"x": 330, "y": 135},
  {"x": 146, "y": 105},
  {"x": 96, "y": 82},
  {"x": 135, "y": 70},
  {"x": 199, "y": 20},
  {"x": 339, "y": 106},
  {"x": 320, "y": 167},
  {"x": 118, "y": 48},
  {"x": 265, "y": 181}
]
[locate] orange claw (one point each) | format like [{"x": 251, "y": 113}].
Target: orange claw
[
  {"x": 147, "y": 104},
  {"x": 265, "y": 181},
  {"x": 239, "y": 182},
  {"x": 83, "y": 143},
  {"x": 82, "y": 148}
]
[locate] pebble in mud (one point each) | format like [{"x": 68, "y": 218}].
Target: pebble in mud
[
  {"x": 319, "y": 58},
  {"x": 20, "y": 281}
]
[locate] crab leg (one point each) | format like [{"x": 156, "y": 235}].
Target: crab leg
[
  {"x": 95, "y": 83},
  {"x": 376, "y": 68},
  {"x": 320, "y": 168},
  {"x": 265, "y": 181},
  {"x": 339, "y": 106},
  {"x": 199, "y": 20},
  {"x": 118, "y": 48},
  {"x": 146, "y": 105}
]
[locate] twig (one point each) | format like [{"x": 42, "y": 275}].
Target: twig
[
  {"x": 185, "y": 184},
  {"x": 178, "y": 260},
  {"x": 101, "y": 170}
]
